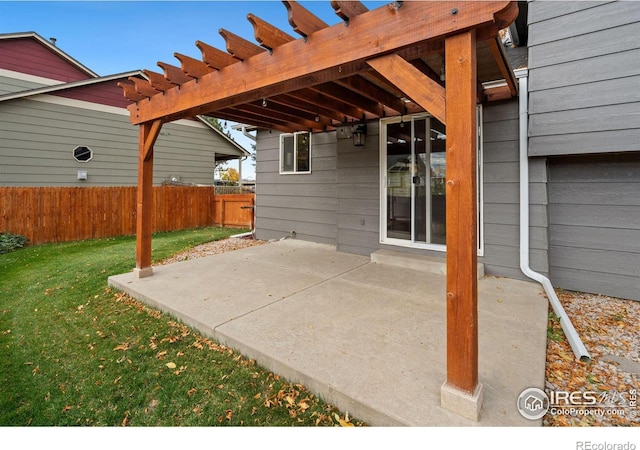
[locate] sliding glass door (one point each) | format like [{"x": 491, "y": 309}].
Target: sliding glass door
[{"x": 414, "y": 167}]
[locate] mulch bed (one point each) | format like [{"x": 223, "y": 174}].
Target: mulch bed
[
  {"x": 610, "y": 330},
  {"x": 213, "y": 248}
]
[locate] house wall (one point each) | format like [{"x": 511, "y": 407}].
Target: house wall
[
  {"x": 594, "y": 215},
  {"x": 584, "y": 105},
  {"x": 10, "y": 82},
  {"x": 584, "y": 73},
  {"x": 38, "y": 138},
  {"x": 304, "y": 203},
  {"x": 339, "y": 202},
  {"x": 502, "y": 196},
  {"x": 29, "y": 56},
  {"x": 359, "y": 194}
]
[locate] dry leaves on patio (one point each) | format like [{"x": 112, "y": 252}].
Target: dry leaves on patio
[{"x": 610, "y": 330}]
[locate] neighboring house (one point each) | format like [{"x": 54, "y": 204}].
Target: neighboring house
[
  {"x": 584, "y": 163},
  {"x": 63, "y": 125}
]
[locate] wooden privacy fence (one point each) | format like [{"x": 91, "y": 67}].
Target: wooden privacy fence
[{"x": 59, "y": 214}]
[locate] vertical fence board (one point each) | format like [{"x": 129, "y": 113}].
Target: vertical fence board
[{"x": 59, "y": 214}]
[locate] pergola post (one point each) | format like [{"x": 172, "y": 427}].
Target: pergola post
[
  {"x": 461, "y": 391},
  {"x": 148, "y": 134}
]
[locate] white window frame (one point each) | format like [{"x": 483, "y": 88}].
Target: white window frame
[{"x": 295, "y": 170}]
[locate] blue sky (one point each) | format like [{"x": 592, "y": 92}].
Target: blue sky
[
  {"x": 118, "y": 36},
  {"x": 111, "y": 37}
]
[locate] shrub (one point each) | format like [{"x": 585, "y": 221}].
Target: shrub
[{"x": 10, "y": 242}]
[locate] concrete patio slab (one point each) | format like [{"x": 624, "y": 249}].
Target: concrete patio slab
[{"x": 365, "y": 336}]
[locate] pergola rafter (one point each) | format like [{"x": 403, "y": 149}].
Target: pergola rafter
[
  {"x": 401, "y": 58},
  {"x": 413, "y": 30}
]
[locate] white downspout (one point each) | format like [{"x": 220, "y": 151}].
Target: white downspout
[{"x": 570, "y": 332}]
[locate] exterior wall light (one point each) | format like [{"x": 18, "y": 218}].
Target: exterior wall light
[{"x": 359, "y": 135}]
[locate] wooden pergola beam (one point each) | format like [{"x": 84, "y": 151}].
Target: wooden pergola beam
[
  {"x": 239, "y": 47},
  {"x": 193, "y": 67},
  {"x": 268, "y": 123},
  {"x": 130, "y": 91},
  {"x": 346, "y": 10},
  {"x": 268, "y": 35},
  {"x": 215, "y": 58},
  {"x": 143, "y": 87},
  {"x": 309, "y": 107},
  {"x": 419, "y": 87},
  {"x": 403, "y": 31},
  {"x": 303, "y": 21},
  {"x": 318, "y": 97},
  {"x": 274, "y": 112},
  {"x": 372, "y": 92},
  {"x": 158, "y": 81},
  {"x": 174, "y": 74},
  {"x": 337, "y": 92},
  {"x": 499, "y": 54},
  {"x": 462, "y": 221},
  {"x": 148, "y": 134}
]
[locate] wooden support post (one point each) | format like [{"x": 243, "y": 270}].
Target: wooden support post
[
  {"x": 148, "y": 134},
  {"x": 461, "y": 391}
]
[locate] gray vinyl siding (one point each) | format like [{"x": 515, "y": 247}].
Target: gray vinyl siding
[
  {"x": 38, "y": 139},
  {"x": 10, "y": 85},
  {"x": 594, "y": 213},
  {"x": 339, "y": 202},
  {"x": 502, "y": 198},
  {"x": 584, "y": 77},
  {"x": 359, "y": 194},
  {"x": 304, "y": 203}
]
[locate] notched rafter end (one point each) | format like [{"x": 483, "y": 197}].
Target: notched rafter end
[
  {"x": 346, "y": 10},
  {"x": 191, "y": 66},
  {"x": 214, "y": 57},
  {"x": 130, "y": 92},
  {"x": 174, "y": 74},
  {"x": 303, "y": 21},
  {"x": 239, "y": 47}
]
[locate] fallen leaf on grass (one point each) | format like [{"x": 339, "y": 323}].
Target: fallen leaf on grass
[
  {"x": 344, "y": 423},
  {"x": 171, "y": 365},
  {"x": 303, "y": 406},
  {"x": 123, "y": 347}
]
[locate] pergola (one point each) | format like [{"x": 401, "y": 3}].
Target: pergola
[{"x": 386, "y": 62}]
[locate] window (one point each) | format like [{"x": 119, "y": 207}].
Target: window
[
  {"x": 82, "y": 154},
  {"x": 295, "y": 153}
]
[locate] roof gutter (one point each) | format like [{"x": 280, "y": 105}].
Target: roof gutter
[{"x": 576, "y": 344}]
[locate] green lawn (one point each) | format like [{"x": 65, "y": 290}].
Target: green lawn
[{"x": 74, "y": 352}]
